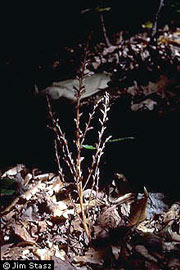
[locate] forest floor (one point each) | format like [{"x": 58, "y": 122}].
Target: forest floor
[{"x": 126, "y": 231}]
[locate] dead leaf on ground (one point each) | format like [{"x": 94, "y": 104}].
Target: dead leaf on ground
[
  {"x": 109, "y": 218},
  {"x": 5, "y": 249},
  {"x": 116, "y": 250},
  {"x": 174, "y": 263},
  {"x": 15, "y": 253},
  {"x": 13, "y": 171},
  {"x": 91, "y": 256},
  {"x": 21, "y": 231},
  {"x": 44, "y": 177},
  {"x": 138, "y": 210},
  {"x": 172, "y": 214},
  {"x": 57, "y": 184},
  {"x": 62, "y": 265},
  {"x": 25, "y": 196},
  {"x": 143, "y": 251},
  {"x": 170, "y": 235},
  {"x": 44, "y": 254}
]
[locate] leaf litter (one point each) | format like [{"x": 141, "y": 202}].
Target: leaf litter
[{"x": 44, "y": 223}]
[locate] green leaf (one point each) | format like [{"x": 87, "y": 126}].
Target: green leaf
[
  {"x": 100, "y": 9},
  {"x": 6, "y": 182},
  {"x": 148, "y": 25},
  {"x": 121, "y": 139},
  {"x": 7, "y": 192},
  {"x": 90, "y": 147}
]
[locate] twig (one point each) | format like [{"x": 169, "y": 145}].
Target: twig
[
  {"x": 154, "y": 29},
  {"x": 60, "y": 170},
  {"x": 104, "y": 30}
]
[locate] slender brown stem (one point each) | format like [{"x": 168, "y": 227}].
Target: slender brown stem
[
  {"x": 60, "y": 170},
  {"x": 78, "y": 94},
  {"x": 84, "y": 219},
  {"x": 104, "y": 30}
]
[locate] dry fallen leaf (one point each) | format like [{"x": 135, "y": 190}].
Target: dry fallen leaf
[
  {"x": 13, "y": 171},
  {"x": 15, "y": 253},
  {"x": 142, "y": 250},
  {"x": 148, "y": 103},
  {"x": 43, "y": 225},
  {"x": 91, "y": 256},
  {"x": 60, "y": 253},
  {"x": 169, "y": 235},
  {"x": 174, "y": 263},
  {"x": 116, "y": 251},
  {"x": 62, "y": 265},
  {"x": 25, "y": 196},
  {"x": 5, "y": 250},
  {"x": 138, "y": 210},
  {"x": 44, "y": 177},
  {"x": 57, "y": 184},
  {"x": 109, "y": 218},
  {"x": 172, "y": 214},
  {"x": 44, "y": 254},
  {"x": 21, "y": 231},
  {"x": 61, "y": 209}
]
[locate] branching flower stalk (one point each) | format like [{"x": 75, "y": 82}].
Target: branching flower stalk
[
  {"x": 80, "y": 137},
  {"x": 100, "y": 144},
  {"x": 74, "y": 163},
  {"x": 88, "y": 126},
  {"x": 60, "y": 136},
  {"x": 60, "y": 170}
]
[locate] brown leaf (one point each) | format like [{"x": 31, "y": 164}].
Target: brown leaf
[
  {"x": 172, "y": 214},
  {"x": 9, "y": 215},
  {"x": 138, "y": 210},
  {"x": 28, "y": 194},
  {"x": 174, "y": 236},
  {"x": 15, "y": 253},
  {"x": 62, "y": 265},
  {"x": 25, "y": 196},
  {"x": 91, "y": 256},
  {"x": 43, "y": 225},
  {"x": 57, "y": 185},
  {"x": 13, "y": 171},
  {"x": 174, "y": 263},
  {"x": 44, "y": 254},
  {"x": 20, "y": 230},
  {"x": 142, "y": 250},
  {"x": 148, "y": 103},
  {"x": 109, "y": 218},
  {"x": 5, "y": 250},
  {"x": 100, "y": 232},
  {"x": 44, "y": 177},
  {"x": 169, "y": 235},
  {"x": 27, "y": 215},
  {"x": 116, "y": 251}
]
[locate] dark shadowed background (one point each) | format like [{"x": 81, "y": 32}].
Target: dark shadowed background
[{"x": 32, "y": 36}]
